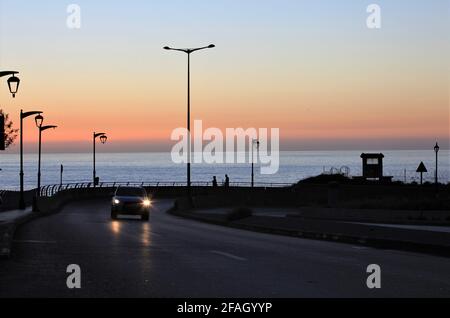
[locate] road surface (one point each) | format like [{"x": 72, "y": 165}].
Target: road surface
[{"x": 174, "y": 257}]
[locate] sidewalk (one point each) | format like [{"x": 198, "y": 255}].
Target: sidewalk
[
  {"x": 423, "y": 239},
  {"x": 273, "y": 212},
  {"x": 444, "y": 229},
  {"x": 8, "y": 223}
]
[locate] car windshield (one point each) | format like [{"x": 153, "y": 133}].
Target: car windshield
[{"x": 130, "y": 192}]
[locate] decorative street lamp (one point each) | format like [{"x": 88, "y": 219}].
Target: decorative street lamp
[
  {"x": 13, "y": 81},
  {"x": 103, "y": 139},
  {"x": 188, "y": 52},
  {"x": 13, "y": 84},
  {"x": 39, "y": 121},
  {"x": 23, "y": 115},
  {"x": 436, "y": 150},
  {"x": 256, "y": 143}
]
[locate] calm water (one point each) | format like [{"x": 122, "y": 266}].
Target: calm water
[{"x": 148, "y": 167}]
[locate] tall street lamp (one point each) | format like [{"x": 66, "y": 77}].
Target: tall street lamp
[
  {"x": 13, "y": 81},
  {"x": 23, "y": 115},
  {"x": 255, "y": 143},
  {"x": 436, "y": 150},
  {"x": 39, "y": 121},
  {"x": 188, "y": 52},
  {"x": 103, "y": 139}
]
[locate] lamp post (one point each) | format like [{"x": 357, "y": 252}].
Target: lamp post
[
  {"x": 39, "y": 121},
  {"x": 61, "y": 171},
  {"x": 23, "y": 115},
  {"x": 103, "y": 139},
  {"x": 188, "y": 52},
  {"x": 255, "y": 142},
  {"x": 13, "y": 81},
  {"x": 436, "y": 150}
]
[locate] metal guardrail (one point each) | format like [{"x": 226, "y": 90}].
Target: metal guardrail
[{"x": 51, "y": 190}]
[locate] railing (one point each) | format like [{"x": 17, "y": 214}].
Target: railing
[{"x": 50, "y": 190}]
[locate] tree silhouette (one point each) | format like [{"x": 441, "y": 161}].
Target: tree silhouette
[{"x": 10, "y": 132}]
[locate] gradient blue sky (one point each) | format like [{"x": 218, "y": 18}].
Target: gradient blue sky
[{"x": 311, "y": 68}]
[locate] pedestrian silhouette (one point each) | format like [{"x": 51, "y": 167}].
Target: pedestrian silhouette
[
  {"x": 227, "y": 181},
  {"x": 214, "y": 183}
]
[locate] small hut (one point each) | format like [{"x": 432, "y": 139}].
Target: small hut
[{"x": 373, "y": 167}]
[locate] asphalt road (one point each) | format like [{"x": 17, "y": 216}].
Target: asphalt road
[{"x": 173, "y": 257}]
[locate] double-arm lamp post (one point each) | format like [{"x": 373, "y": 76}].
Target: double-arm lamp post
[
  {"x": 23, "y": 115},
  {"x": 39, "y": 121},
  {"x": 188, "y": 52},
  {"x": 103, "y": 139},
  {"x": 13, "y": 81}
]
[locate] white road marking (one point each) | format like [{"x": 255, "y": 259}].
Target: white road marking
[
  {"x": 35, "y": 242},
  {"x": 229, "y": 256}
]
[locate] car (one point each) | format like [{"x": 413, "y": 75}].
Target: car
[{"x": 131, "y": 201}]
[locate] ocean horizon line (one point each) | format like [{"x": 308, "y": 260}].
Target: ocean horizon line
[{"x": 99, "y": 151}]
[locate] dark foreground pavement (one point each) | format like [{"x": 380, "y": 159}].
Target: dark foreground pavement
[{"x": 173, "y": 257}]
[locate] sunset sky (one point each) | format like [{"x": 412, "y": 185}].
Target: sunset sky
[{"x": 311, "y": 68}]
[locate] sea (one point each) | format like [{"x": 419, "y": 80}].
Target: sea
[{"x": 159, "y": 167}]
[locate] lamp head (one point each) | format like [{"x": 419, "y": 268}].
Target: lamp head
[
  {"x": 166, "y": 48},
  {"x": 13, "y": 84},
  {"x": 437, "y": 148},
  {"x": 103, "y": 139},
  {"x": 39, "y": 119},
  {"x": 211, "y": 46}
]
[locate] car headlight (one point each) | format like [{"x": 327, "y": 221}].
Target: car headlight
[
  {"x": 147, "y": 203},
  {"x": 116, "y": 201}
]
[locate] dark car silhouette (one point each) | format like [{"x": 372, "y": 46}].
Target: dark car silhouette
[{"x": 131, "y": 201}]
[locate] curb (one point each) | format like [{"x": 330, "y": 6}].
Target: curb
[
  {"x": 410, "y": 246},
  {"x": 7, "y": 231}
]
